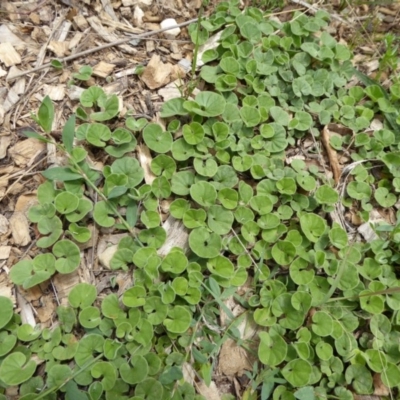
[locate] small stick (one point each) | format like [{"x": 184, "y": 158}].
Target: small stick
[
  {"x": 314, "y": 9},
  {"x": 104, "y": 46}
]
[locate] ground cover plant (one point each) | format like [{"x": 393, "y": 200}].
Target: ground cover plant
[{"x": 325, "y": 307}]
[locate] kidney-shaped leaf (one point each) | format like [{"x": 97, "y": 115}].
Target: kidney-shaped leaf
[
  {"x": 313, "y": 226},
  {"x": 297, "y": 372},
  {"x": 156, "y": 139},
  {"x": 6, "y": 307},
  {"x": 272, "y": 349},
  {"x": 68, "y": 256},
  {"x": 107, "y": 371},
  {"x": 16, "y": 369},
  {"x": 204, "y": 244},
  {"x": 209, "y": 104},
  {"x": 179, "y": 319},
  {"x": 82, "y": 295},
  {"x": 135, "y": 373}
]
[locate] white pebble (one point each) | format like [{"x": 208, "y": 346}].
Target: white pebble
[
  {"x": 138, "y": 15},
  {"x": 171, "y": 33}
]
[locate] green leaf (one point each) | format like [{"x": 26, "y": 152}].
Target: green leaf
[
  {"x": 326, "y": 195},
  {"x": 283, "y": 252},
  {"x": 272, "y": 349},
  {"x": 6, "y": 307},
  {"x": 131, "y": 168},
  {"x": 250, "y": 115},
  {"x": 46, "y": 114},
  {"x": 68, "y": 256},
  {"x": 82, "y": 295},
  {"x": 57, "y": 64},
  {"x": 279, "y": 115},
  {"x": 16, "y": 368},
  {"x": 107, "y": 371},
  {"x": 60, "y": 174},
  {"x": 219, "y": 220},
  {"x": 135, "y": 373},
  {"x": 110, "y": 307},
  {"x": 98, "y": 134},
  {"x": 89, "y": 346},
  {"x": 149, "y": 389},
  {"x": 51, "y": 226},
  {"x": 66, "y": 202},
  {"x": 173, "y": 107},
  {"x": 31, "y": 134},
  {"x": 384, "y": 197},
  {"x": 85, "y": 72},
  {"x": 110, "y": 110},
  {"x": 338, "y": 237},
  {"x": 84, "y": 207},
  {"x": 89, "y": 317},
  {"x": 134, "y": 297},
  {"x": 30, "y": 273},
  {"x": 68, "y": 134},
  {"x": 7, "y": 343},
  {"x": 92, "y": 95},
  {"x": 305, "y": 393},
  {"x": 101, "y": 214},
  {"x": 204, "y": 244},
  {"x": 203, "y": 193},
  {"x": 193, "y": 133},
  {"x": 156, "y": 139},
  {"x": 175, "y": 262},
  {"x": 313, "y": 226},
  {"x": 178, "y": 320},
  {"x": 297, "y": 372},
  {"x": 322, "y": 323},
  {"x": 209, "y": 104}
]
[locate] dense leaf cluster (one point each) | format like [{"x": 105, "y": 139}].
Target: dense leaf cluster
[{"x": 326, "y": 308}]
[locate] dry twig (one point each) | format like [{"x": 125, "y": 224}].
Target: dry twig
[
  {"x": 314, "y": 9},
  {"x": 102, "y": 47}
]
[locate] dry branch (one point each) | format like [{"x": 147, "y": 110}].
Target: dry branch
[{"x": 104, "y": 46}]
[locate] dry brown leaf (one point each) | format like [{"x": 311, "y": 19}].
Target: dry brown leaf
[
  {"x": 177, "y": 236},
  {"x": 60, "y": 49},
  {"x": 233, "y": 360},
  {"x": 379, "y": 388},
  {"x": 4, "y": 225},
  {"x": 332, "y": 155},
  {"x": 103, "y": 69},
  {"x": 55, "y": 92},
  {"x": 106, "y": 256},
  {"x": 4, "y": 143},
  {"x": 47, "y": 309},
  {"x": 158, "y": 74},
  {"x": 8, "y": 55},
  {"x": 14, "y": 93},
  {"x": 4, "y": 252},
  {"x": 25, "y": 311},
  {"x": 25, "y": 202},
  {"x": 124, "y": 281},
  {"x": 6, "y": 35},
  {"x": 63, "y": 284},
  {"x": 20, "y": 229},
  {"x": 209, "y": 392},
  {"x": 27, "y": 150},
  {"x": 6, "y": 288},
  {"x": 144, "y": 158}
]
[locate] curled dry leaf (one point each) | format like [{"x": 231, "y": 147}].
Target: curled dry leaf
[{"x": 332, "y": 154}]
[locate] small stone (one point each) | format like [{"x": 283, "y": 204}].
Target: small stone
[
  {"x": 171, "y": 33},
  {"x": 185, "y": 64},
  {"x": 138, "y": 15}
]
